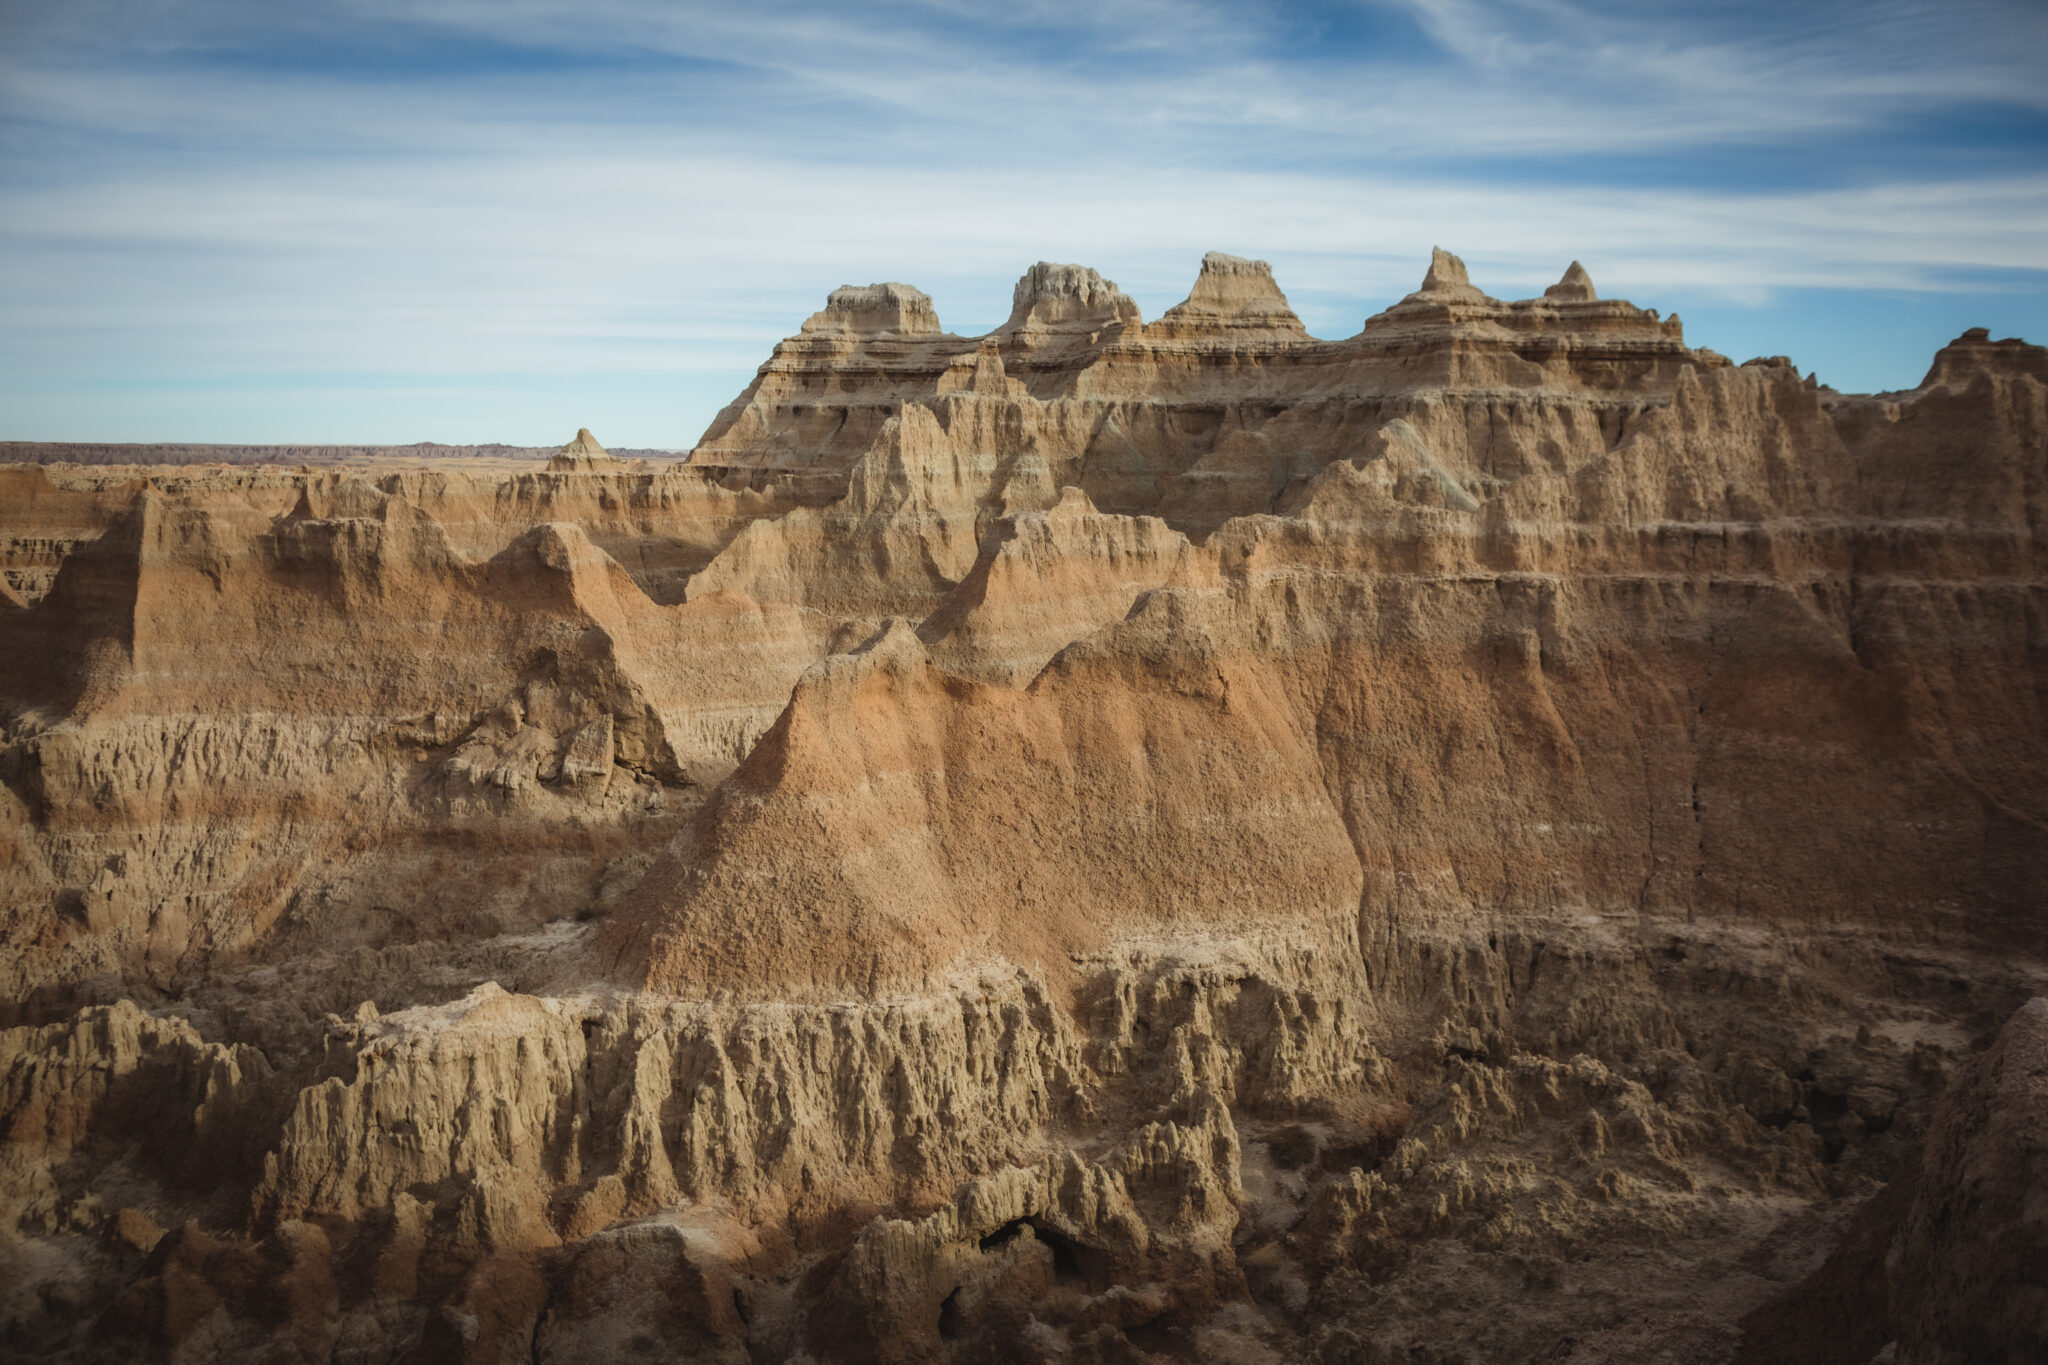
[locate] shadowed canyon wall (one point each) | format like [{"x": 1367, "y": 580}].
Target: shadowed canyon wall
[{"x": 1490, "y": 839}]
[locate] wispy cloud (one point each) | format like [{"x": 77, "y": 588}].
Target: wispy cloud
[{"x": 612, "y": 188}]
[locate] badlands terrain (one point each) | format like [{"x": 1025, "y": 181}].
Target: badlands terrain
[{"x": 1502, "y": 838}]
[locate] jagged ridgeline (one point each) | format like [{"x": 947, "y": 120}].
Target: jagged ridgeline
[{"x": 1504, "y": 836}]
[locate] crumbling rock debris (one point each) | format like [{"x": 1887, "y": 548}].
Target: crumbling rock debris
[{"x": 1486, "y": 839}]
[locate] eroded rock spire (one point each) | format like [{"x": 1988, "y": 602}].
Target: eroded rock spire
[
  {"x": 1447, "y": 280},
  {"x": 1068, "y": 298},
  {"x": 1231, "y": 294},
  {"x": 1575, "y": 287},
  {"x": 582, "y": 453}
]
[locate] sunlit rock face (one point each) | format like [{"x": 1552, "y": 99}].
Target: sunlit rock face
[{"x": 1502, "y": 836}]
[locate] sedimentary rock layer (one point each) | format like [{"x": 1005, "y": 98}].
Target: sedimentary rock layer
[{"x": 1104, "y": 841}]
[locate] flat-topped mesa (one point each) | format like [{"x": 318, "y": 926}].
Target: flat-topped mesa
[
  {"x": 1232, "y": 296},
  {"x": 873, "y": 310},
  {"x": 1974, "y": 353},
  {"x": 582, "y": 454},
  {"x": 1067, "y": 300},
  {"x": 1571, "y": 333}
]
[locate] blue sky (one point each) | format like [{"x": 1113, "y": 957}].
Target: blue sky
[{"x": 400, "y": 220}]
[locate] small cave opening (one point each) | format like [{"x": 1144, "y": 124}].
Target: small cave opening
[
  {"x": 1367, "y": 1151},
  {"x": 949, "y": 1317},
  {"x": 1067, "y": 1254},
  {"x": 1006, "y": 1233},
  {"x": 1160, "y": 1336},
  {"x": 1828, "y": 1111}
]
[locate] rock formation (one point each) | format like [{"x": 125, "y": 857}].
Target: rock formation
[
  {"x": 1488, "y": 839},
  {"x": 581, "y": 456},
  {"x": 1232, "y": 293},
  {"x": 875, "y": 310}
]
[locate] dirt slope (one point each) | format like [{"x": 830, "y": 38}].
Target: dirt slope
[{"x": 1484, "y": 840}]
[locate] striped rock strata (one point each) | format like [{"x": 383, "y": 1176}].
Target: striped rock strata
[{"x": 1104, "y": 841}]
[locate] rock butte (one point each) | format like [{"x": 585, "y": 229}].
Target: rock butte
[{"x": 1497, "y": 838}]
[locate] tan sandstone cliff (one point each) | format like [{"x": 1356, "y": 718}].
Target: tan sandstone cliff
[{"x": 1104, "y": 841}]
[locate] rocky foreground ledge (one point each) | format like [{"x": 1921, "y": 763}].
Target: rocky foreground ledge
[{"x": 1503, "y": 837}]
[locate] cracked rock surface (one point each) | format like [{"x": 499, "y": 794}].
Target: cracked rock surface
[{"x": 1504, "y": 837}]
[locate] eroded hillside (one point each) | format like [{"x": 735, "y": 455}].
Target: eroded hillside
[{"x": 1485, "y": 840}]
